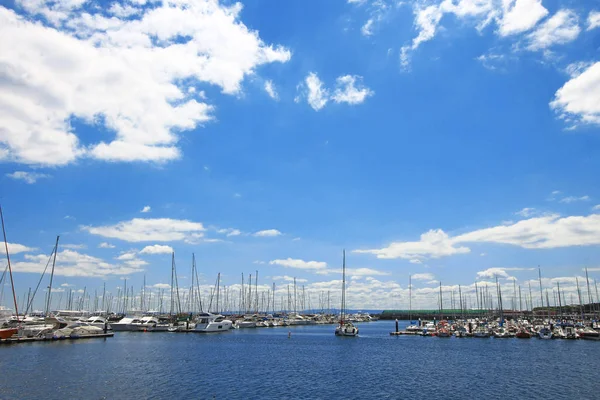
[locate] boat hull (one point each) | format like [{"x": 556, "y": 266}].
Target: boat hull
[{"x": 8, "y": 332}]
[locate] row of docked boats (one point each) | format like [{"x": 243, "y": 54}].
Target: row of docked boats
[{"x": 521, "y": 329}]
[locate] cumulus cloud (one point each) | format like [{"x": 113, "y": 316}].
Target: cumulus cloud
[
  {"x": 72, "y": 263},
  {"x": 435, "y": 243},
  {"x": 562, "y": 27},
  {"x": 578, "y": 100},
  {"x": 520, "y": 15},
  {"x": 267, "y": 233},
  {"x": 105, "y": 245},
  {"x": 289, "y": 279},
  {"x": 161, "y": 286},
  {"x": 300, "y": 264},
  {"x": 157, "y": 249},
  {"x": 349, "y": 89},
  {"x": 15, "y": 248},
  {"x": 423, "y": 277},
  {"x": 146, "y": 230},
  {"x": 549, "y": 231},
  {"x": 145, "y": 209},
  {"x": 27, "y": 177},
  {"x": 133, "y": 78},
  {"x": 229, "y": 232},
  {"x": 316, "y": 93},
  {"x": 593, "y": 20}
]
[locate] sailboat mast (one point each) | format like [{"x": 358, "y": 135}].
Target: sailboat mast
[
  {"x": 218, "y": 290},
  {"x": 541, "y": 291},
  {"x": 52, "y": 276},
  {"x": 12, "y": 283},
  {"x": 409, "y": 297},
  {"x": 343, "y": 287}
]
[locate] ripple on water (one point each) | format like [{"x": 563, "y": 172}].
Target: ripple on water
[{"x": 312, "y": 364}]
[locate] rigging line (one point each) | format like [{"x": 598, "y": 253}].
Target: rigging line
[{"x": 40, "y": 281}]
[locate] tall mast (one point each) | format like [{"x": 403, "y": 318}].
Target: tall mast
[
  {"x": 409, "y": 297},
  {"x": 172, "y": 283},
  {"x": 588, "y": 287},
  {"x": 541, "y": 291},
  {"x": 461, "y": 301},
  {"x": 559, "y": 300},
  {"x": 12, "y": 283},
  {"x": 441, "y": 304},
  {"x": 343, "y": 287},
  {"x": 218, "y": 290},
  {"x": 579, "y": 294},
  {"x": 273, "y": 297},
  {"x": 51, "y": 277},
  {"x": 256, "y": 291}
]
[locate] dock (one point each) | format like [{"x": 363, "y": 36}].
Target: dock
[{"x": 53, "y": 339}]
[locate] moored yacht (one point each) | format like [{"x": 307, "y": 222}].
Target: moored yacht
[{"x": 207, "y": 322}]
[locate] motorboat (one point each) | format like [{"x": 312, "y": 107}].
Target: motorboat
[
  {"x": 208, "y": 323},
  {"x": 545, "y": 333},
  {"x": 127, "y": 324},
  {"x": 589, "y": 334}
]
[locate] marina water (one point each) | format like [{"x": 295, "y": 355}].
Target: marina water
[{"x": 311, "y": 364}]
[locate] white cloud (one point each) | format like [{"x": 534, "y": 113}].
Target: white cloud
[
  {"x": 67, "y": 285},
  {"x": 541, "y": 233},
  {"x": 415, "y": 261},
  {"x": 161, "y": 286},
  {"x": 367, "y": 27},
  {"x": 596, "y": 207},
  {"x": 434, "y": 243},
  {"x": 573, "y": 199},
  {"x": 258, "y": 262},
  {"x": 317, "y": 95},
  {"x": 28, "y": 177},
  {"x": 145, "y": 209},
  {"x": 526, "y": 212},
  {"x": 549, "y": 231},
  {"x": 520, "y": 16},
  {"x": 289, "y": 279},
  {"x": 561, "y": 28},
  {"x": 593, "y": 20},
  {"x": 147, "y": 230},
  {"x": 157, "y": 249},
  {"x": 72, "y": 263},
  {"x": 15, "y": 248},
  {"x": 267, "y": 233},
  {"x": 350, "y": 90},
  {"x": 130, "y": 255},
  {"x": 229, "y": 232},
  {"x": 492, "y": 61},
  {"x": 129, "y": 76},
  {"x": 300, "y": 264},
  {"x": 491, "y": 273},
  {"x": 105, "y": 245},
  {"x": 271, "y": 91},
  {"x": 578, "y": 100},
  {"x": 423, "y": 277}
]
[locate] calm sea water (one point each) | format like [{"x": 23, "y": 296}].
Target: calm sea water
[{"x": 312, "y": 364}]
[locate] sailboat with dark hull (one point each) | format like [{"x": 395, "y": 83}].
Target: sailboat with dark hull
[{"x": 345, "y": 328}]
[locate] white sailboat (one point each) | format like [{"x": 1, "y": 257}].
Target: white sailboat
[{"x": 345, "y": 328}]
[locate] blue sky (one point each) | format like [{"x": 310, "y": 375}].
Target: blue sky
[{"x": 455, "y": 141}]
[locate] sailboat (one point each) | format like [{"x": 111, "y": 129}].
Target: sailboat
[
  {"x": 6, "y": 333},
  {"x": 345, "y": 328}
]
